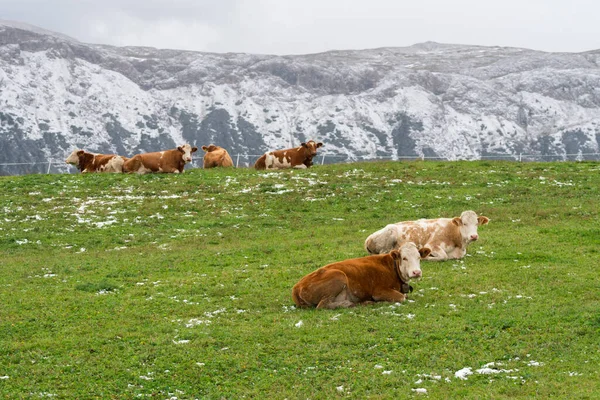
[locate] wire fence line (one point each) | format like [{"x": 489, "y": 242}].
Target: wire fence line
[{"x": 247, "y": 160}]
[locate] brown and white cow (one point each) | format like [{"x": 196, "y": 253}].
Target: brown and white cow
[
  {"x": 216, "y": 157},
  {"x": 447, "y": 238},
  {"x": 298, "y": 157},
  {"x": 91, "y": 162},
  {"x": 362, "y": 280},
  {"x": 161, "y": 161}
]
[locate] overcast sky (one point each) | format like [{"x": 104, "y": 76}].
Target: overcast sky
[{"x": 312, "y": 26}]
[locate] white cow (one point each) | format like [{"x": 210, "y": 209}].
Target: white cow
[{"x": 447, "y": 238}]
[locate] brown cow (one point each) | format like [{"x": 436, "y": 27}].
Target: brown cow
[
  {"x": 216, "y": 157},
  {"x": 161, "y": 161},
  {"x": 447, "y": 238},
  {"x": 298, "y": 157},
  {"x": 362, "y": 280},
  {"x": 90, "y": 162}
]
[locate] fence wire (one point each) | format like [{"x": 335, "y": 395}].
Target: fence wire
[{"x": 247, "y": 160}]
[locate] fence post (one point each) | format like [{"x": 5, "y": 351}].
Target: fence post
[
  {"x": 49, "y": 165},
  {"x": 519, "y": 157},
  {"x": 237, "y": 161},
  {"x": 322, "y": 159}
]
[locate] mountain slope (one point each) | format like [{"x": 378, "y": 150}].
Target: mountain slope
[{"x": 430, "y": 99}]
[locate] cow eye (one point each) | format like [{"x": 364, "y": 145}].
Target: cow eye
[{"x": 405, "y": 259}]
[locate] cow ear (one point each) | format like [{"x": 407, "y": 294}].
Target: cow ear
[
  {"x": 457, "y": 221},
  {"x": 395, "y": 254},
  {"x": 319, "y": 144},
  {"x": 80, "y": 152},
  {"x": 194, "y": 149},
  {"x": 180, "y": 148},
  {"x": 425, "y": 252},
  {"x": 483, "y": 220},
  {"x": 204, "y": 148},
  {"x": 303, "y": 144}
]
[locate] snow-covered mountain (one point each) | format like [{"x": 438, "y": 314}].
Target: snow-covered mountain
[{"x": 429, "y": 99}]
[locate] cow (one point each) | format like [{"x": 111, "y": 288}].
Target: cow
[
  {"x": 169, "y": 161},
  {"x": 364, "y": 280},
  {"x": 91, "y": 162},
  {"x": 446, "y": 238},
  {"x": 297, "y": 157},
  {"x": 216, "y": 157}
]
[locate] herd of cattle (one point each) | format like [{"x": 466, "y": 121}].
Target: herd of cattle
[
  {"x": 396, "y": 250},
  {"x": 174, "y": 160}
]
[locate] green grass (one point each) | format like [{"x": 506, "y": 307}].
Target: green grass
[{"x": 126, "y": 286}]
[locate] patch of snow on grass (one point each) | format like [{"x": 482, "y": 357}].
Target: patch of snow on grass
[
  {"x": 532, "y": 363},
  {"x": 195, "y": 322},
  {"x": 489, "y": 371},
  {"x": 463, "y": 373}
]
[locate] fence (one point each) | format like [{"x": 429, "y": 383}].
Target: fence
[{"x": 247, "y": 160}]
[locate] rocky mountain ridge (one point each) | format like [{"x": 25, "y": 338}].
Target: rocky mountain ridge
[{"x": 427, "y": 100}]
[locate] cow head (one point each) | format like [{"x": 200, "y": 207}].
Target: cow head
[
  {"x": 408, "y": 260},
  {"x": 187, "y": 151},
  {"x": 210, "y": 148},
  {"x": 311, "y": 147},
  {"x": 468, "y": 223},
  {"x": 73, "y": 158}
]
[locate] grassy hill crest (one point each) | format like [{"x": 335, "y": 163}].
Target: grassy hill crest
[{"x": 164, "y": 286}]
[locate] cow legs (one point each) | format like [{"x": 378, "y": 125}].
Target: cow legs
[
  {"x": 328, "y": 289},
  {"x": 336, "y": 293},
  {"x": 341, "y": 300},
  {"x": 392, "y": 296},
  {"x": 437, "y": 254}
]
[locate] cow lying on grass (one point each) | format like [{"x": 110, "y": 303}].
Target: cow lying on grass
[
  {"x": 446, "y": 238},
  {"x": 362, "y": 280},
  {"x": 161, "y": 161},
  {"x": 216, "y": 157},
  {"x": 298, "y": 157},
  {"x": 91, "y": 162}
]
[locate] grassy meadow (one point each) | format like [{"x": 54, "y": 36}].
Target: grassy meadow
[{"x": 179, "y": 286}]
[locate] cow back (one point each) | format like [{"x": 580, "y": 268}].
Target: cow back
[{"x": 216, "y": 157}]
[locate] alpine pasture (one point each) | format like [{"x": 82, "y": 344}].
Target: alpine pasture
[{"x": 179, "y": 286}]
